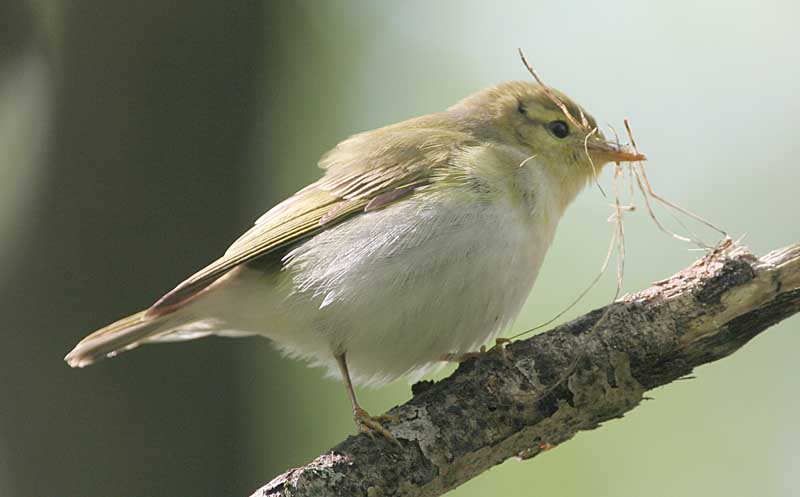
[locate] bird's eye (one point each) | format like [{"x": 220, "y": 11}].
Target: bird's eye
[
  {"x": 560, "y": 129},
  {"x": 521, "y": 108}
]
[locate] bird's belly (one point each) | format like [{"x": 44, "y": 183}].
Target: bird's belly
[
  {"x": 398, "y": 291},
  {"x": 410, "y": 318}
]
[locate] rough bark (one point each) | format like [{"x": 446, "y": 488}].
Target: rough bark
[{"x": 545, "y": 389}]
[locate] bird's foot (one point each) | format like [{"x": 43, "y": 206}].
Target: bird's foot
[
  {"x": 498, "y": 348},
  {"x": 373, "y": 424}
]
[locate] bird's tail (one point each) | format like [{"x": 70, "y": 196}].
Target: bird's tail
[{"x": 126, "y": 334}]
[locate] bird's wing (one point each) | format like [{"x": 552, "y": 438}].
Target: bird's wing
[{"x": 363, "y": 173}]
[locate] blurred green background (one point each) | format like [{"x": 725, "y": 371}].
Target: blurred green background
[{"x": 137, "y": 139}]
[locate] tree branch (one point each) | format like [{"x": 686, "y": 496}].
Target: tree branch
[{"x": 545, "y": 389}]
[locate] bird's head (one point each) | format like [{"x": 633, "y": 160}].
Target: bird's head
[{"x": 545, "y": 123}]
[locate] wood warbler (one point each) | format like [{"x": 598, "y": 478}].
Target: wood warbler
[{"x": 422, "y": 239}]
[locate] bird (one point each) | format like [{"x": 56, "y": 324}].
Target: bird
[{"x": 421, "y": 240}]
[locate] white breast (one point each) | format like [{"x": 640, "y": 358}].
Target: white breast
[{"x": 395, "y": 289}]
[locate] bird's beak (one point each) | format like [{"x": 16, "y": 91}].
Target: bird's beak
[{"x": 603, "y": 151}]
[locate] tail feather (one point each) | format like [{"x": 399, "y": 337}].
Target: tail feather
[{"x": 125, "y": 334}]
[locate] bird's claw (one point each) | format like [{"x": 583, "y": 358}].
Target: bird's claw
[
  {"x": 372, "y": 424},
  {"x": 498, "y": 347}
]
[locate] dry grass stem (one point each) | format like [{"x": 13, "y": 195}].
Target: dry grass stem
[{"x": 550, "y": 94}]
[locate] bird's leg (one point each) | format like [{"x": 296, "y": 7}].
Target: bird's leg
[
  {"x": 365, "y": 423},
  {"x": 499, "y": 346}
]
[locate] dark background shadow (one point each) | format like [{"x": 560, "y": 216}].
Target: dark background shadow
[{"x": 153, "y": 109}]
